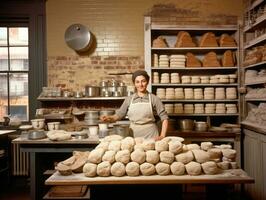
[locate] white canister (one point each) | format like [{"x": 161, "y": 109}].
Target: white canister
[
  {"x": 103, "y": 126},
  {"x": 93, "y": 131},
  {"x": 53, "y": 126}
]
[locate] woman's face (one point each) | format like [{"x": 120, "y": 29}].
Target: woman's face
[{"x": 141, "y": 83}]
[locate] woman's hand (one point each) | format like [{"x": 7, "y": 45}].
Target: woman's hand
[
  {"x": 105, "y": 118},
  {"x": 159, "y": 137}
]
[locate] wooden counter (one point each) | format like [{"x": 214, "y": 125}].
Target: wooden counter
[{"x": 233, "y": 176}]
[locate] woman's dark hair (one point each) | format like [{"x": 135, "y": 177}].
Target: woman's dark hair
[{"x": 140, "y": 73}]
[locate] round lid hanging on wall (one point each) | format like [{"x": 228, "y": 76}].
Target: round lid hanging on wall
[{"x": 78, "y": 37}]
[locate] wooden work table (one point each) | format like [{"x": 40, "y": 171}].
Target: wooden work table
[
  {"x": 166, "y": 187},
  {"x": 45, "y": 152}
]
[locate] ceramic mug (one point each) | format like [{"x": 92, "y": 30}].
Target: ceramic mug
[{"x": 53, "y": 126}]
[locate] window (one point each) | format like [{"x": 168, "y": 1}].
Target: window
[{"x": 14, "y": 72}]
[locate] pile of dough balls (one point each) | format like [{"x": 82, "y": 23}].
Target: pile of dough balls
[{"x": 117, "y": 156}]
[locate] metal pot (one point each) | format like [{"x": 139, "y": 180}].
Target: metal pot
[
  {"x": 122, "y": 90},
  {"x": 92, "y": 114},
  {"x": 106, "y": 112},
  {"x": 121, "y": 129},
  {"x": 78, "y": 37},
  {"x": 92, "y": 91},
  {"x": 186, "y": 124},
  {"x": 104, "y": 84},
  {"x": 201, "y": 126}
]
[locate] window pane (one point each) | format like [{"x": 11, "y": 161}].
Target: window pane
[
  {"x": 3, "y": 59},
  {"x": 18, "y": 36},
  {"x": 19, "y": 98},
  {"x": 19, "y": 58},
  {"x": 3, "y": 36},
  {"x": 3, "y": 96}
]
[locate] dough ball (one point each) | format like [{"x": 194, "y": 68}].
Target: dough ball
[
  {"x": 167, "y": 157},
  {"x": 177, "y": 168},
  {"x": 139, "y": 140},
  {"x": 138, "y": 156},
  {"x": 175, "y": 147},
  {"x": 209, "y": 168},
  {"x": 148, "y": 144},
  {"x": 152, "y": 157},
  {"x": 139, "y": 147},
  {"x": 225, "y": 165},
  {"x": 161, "y": 146},
  {"x": 206, "y": 145},
  {"x": 123, "y": 156},
  {"x": 118, "y": 169},
  {"x": 162, "y": 169},
  {"x": 103, "y": 145},
  {"x": 193, "y": 168},
  {"x": 229, "y": 153},
  {"x": 226, "y": 146},
  {"x": 215, "y": 153},
  {"x": 109, "y": 156},
  {"x": 184, "y": 148},
  {"x": 132, "y": 169},
  {"x": 228, "y": 159},
  {"x": 110, "y": 138},
  {"x": 147, "y": 169},
  {"x": 201, "y": 156},
  {"x": 128, "y": 144},
  {"x": 185, "y": 157},
  {"x": 96, "y": 156},
  {"x": 114, "y": 145},
  {"x": 192, "y": 146},
  {"x": 90, "y": 169},
  {"x": 104, "y": 169}
]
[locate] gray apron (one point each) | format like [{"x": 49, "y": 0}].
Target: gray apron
[{"x": 142, "y": 121}]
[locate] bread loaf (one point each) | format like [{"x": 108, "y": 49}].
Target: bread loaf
[
  {"x": 192, "y": 60},
  {"x": 159, "y": 42},
  {"x": 184, "y": 39},
  {"x": 228, "y": 59},
  {"x": 211, "y": 60},
  {"x": 227, "y": 41},
  {"x": 208, "y": 40}
]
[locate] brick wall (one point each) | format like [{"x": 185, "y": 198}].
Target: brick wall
[{"x": 75, "y": 72}]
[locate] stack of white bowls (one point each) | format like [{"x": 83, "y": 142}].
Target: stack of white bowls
[
  {"x": 220, "y": 93},
  {"x": 231, "y": 93},
  {"x": 220, "y": 108},
  {"x": 165, "y": 78},
  {"x": 163, "y": 61},
  {"x": 155, "y": 60},
  {"x": 177, "y": 60},
  {"x": 189, "y": 94},
  {"x": 160, "y": 92},
  {"x": 209, "y": 93},
  {"x": 179, "y": 93},
  {"x": 195, "y": 79},
  {"x": 175, "y": 78},
  {"x": 169, "y": 108},
  {"x": 179, "y": 108},
  {"x": 224, "y": 79},
  {"x": 198, "y": 93},
  {"x": 214, "y": 79},
  {"x": 198, "y": 108},
  {"x": 231, "y": 108},
  {"x": 170, "y": 93},
  {"x": 204, "y": 79},
  {"x": 156, "y": 77},
  {"x": 186, "y": 79},
  {"x": 188, "y": 108},
  {"x": 210, "y": 108}
]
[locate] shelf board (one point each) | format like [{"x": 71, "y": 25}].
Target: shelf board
[
  {"x": 194, "y": 49},
  {"x": 255, "y": 65},
  {"x": 192, "y": 84},
  {"x": 260, "y": 21},
  {"x": 207, "y": 134},
  {"x": 78, "y": 99},
  {"x": 256, "y": 83},
  {"x": 155, "y": 27},
  {"x": 256, "y": 100},
  {"x": 203, "y": 114},
  {"x": 192, "y": 68},
  {"x": 255, "y": 41},
  {"x": 200, "y": 100}
]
